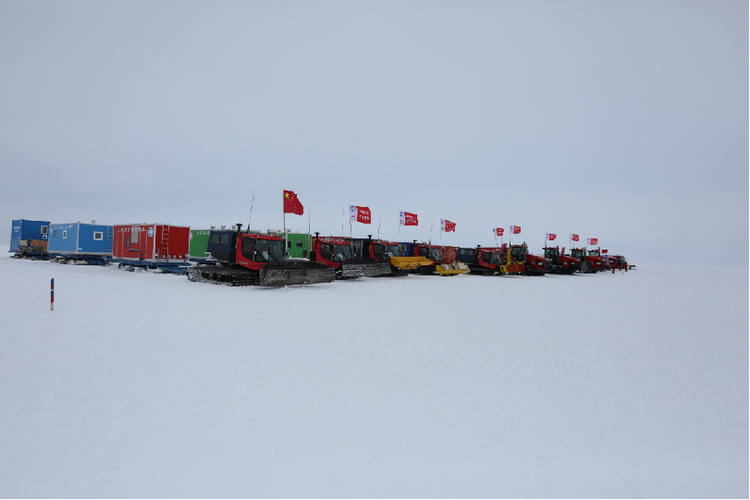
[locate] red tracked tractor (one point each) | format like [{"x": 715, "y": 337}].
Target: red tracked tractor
[
  {"x": 558, "y": 262},
  {"x": 347, "y": 257},
  {"x": 239, "y": 259},
  {"x": 482, "y": 260}
]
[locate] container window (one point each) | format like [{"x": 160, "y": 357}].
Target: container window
[
  {"x": 44, "y": 229},
  {"x": 134, "y": 237},
  {"x": 98, "y": 236},
  {"x": 54, "y": 233},
  {"x": 225, "y": 239},
  {"x": 127, "y": 241},
  {"x": 65, "y": 234},
  {"x": 299, "y": 244}
]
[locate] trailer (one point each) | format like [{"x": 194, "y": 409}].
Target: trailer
[
  {"x": 28, "y": 238},
  {"x": 80, "y": 243},
  {"x": 152, "y": 246}
]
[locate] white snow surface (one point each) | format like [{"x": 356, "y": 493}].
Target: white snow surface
[{"x": 147, "y": 385}]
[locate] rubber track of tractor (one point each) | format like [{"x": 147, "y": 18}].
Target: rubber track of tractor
[
  {"x": 295, "y": 272},
  {"x": 229, "y": 276}
]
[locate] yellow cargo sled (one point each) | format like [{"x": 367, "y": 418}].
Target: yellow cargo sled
[
  {"x": 452, "y": 269},
  {"x": 410, "y": 263}
]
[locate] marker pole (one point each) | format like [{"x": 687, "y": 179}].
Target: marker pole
[{"x": 52, "y": 295}]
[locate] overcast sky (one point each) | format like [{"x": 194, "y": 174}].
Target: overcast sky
[{"x": 626, "y": 121}]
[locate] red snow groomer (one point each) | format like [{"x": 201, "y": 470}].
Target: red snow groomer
[
  {"x": 588, "y": 263},
  {"x": 346, "y": 257},
  {"x": 558, "y": 262},
  {"x": 483, "y": 260},
  {"x": 239, "y": 259}
]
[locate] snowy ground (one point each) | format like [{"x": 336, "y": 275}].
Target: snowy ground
[{"x": 147, "y": 385}]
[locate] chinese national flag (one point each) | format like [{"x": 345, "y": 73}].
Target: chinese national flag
[
  {"x": 574, "y": 237},
  {"x": 409, "y": 219},
  {"x": 551, "y": 236},
  {"x": 292, "y": 204},
  {"x": 359, "y": 214},
  {"x": 499, "y": 231}
]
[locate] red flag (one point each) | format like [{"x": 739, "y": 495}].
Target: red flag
[
  {"x": 447, "y": 226},
  {"x": 574, "y": 237},
  {"x": 499, "y": 231},
  {"x": 409, "y": 219},
  {"x": 292, "y": 204},
  {"x": 604, "y": 250},
  {"x": 551, "y": 236},
  {"x": 592, "y": 241},
  {"x": 515, "y": 229},
  {"x": 359, "y": 214}
]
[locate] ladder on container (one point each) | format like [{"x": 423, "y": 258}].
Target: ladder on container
[
  {"x": 164, "y": 246},
  {"x": 110, "y": 248}
]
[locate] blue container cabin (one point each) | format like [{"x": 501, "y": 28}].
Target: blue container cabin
[
  {"x": 29, "y": 237},
  {"x": 91, "y": 243}
]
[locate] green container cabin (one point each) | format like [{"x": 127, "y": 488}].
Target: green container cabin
[
  {"x": 298, "y": 245},
  {"x": 199, "y": 243}
]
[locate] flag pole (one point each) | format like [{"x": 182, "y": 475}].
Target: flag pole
[
  {"x": 378, "y": 227},
  {"x": 283, "y": 228}
]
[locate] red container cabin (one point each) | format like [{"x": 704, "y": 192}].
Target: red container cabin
[{"x": 151, "y": 243}]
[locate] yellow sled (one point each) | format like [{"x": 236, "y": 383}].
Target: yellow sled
[
  {"x": 410, "y": 263},
  {"x": 452, "y": 269}
]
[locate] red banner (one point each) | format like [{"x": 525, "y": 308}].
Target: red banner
[
  {"x": 592, "y": 241},
  {"x": 515, "y": 229},
  {"x": 359, "y": 214},
  {"x": 574, "y": 237},
  {"x": 499, "y": 231},
  {"x": 409, "y": 219},
  {"x": 447, "y": 226},
  {"x": 551, "y": 236},
  {"x": 292, "y": 204},
  {"x": 604, "y": 250}
]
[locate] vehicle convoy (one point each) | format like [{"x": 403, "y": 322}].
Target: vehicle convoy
[
  {"x": 238, "y": 259},
  {"x": 482, "y": 260},
  {"x": 558, "y": 262},
  {"x": 444, "y": 259},
  {"x": 587, "y": 263},
  {"x": 345, "y": 256}
]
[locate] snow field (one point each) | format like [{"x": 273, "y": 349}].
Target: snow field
[{"x": 146, "y": 385}]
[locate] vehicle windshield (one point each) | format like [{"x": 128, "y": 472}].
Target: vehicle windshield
[
  {"x": 550, "y": 253},
  {"x": 577, "y": 253},
  {"x": 491, "y": 258},
  {"x": 341, "y": 252},
  {"x": 594, "y": 252},
  {"x": 382, "y": 250},
  {"x": 433, "y": 254},
  {"x": 269, "y": 251},
  {"x": 518, "y": 254}
]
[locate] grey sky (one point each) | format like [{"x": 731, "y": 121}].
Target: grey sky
[{"x": 626, "y": 121}]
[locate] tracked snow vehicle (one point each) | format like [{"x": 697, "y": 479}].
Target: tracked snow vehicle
[
  {"x": 482, "y": 260},
  {"x": 240, "y": 259},
  {"x": 346, "y": 257}
]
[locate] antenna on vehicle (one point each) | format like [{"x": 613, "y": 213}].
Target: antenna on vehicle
[{"x": 252, "y": 203}]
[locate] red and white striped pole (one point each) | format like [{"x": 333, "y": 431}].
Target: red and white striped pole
[{"x": 52, "y": 295}]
